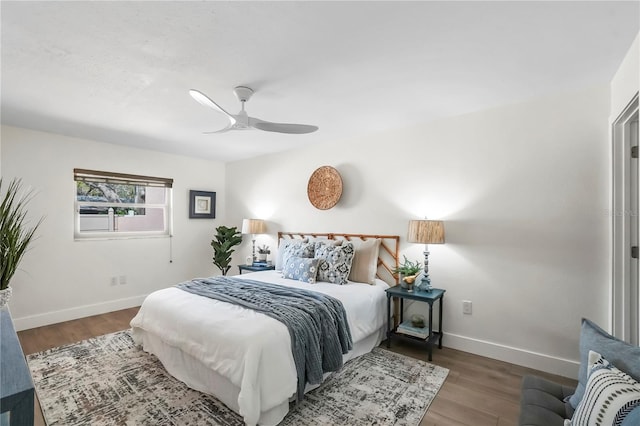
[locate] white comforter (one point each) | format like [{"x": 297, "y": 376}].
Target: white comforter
[{"x": 252, "y": 350}]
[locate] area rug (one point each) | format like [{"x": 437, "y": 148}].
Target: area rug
[{"x": 108, "y": 380}]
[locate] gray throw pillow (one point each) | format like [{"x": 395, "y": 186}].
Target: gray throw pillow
[{"x": 621, "y": 354}]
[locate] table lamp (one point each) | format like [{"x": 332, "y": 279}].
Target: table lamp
[
  {"x": 253, "y": 227},
  {"x": 426, "y": 232}
]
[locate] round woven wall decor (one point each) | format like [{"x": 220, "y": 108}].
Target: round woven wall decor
[{"x": 324, "y": 188}]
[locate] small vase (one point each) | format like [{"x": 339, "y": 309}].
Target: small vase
[
  {"x": 5, "y": 295},
  {"x": 262, "y": 257},
  {"x": 407, "y": 282}
]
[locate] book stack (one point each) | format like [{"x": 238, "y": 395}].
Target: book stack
[
  {"x": 410, "y": 330},
  {"x": 261, "y": 263}
]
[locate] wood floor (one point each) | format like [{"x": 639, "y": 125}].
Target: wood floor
[{"x": 478, "y": 391}]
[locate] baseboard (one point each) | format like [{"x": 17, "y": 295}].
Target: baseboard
[
  {"x": 25, "y": 323},
  {"x": 525, "y": 358}
]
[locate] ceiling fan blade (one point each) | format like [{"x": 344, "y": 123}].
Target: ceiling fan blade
[
  {"x": 267, "y": 126},
  {"x": 226, "y": 129},
  {"x": 206, "y": 101}
]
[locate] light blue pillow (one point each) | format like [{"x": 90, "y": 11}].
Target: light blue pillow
[
  {"x": 623, "y": 355},
  {"x": 302, "y": 269},
  {"x": 633, "y": 418},
  {"x": 298, "y": 250}
]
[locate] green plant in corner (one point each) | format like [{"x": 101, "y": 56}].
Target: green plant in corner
[
  {"x": 223, "y": 243},
  {"x": 15, "y": 232}
]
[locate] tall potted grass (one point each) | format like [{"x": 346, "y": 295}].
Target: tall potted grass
[{"x": 15, "y": 233}]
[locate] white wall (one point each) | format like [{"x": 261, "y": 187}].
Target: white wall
[
  {"x": 523, "y": 190},
  {"x": 626, "y": 82},
  {"x": 62, "y": 279}
]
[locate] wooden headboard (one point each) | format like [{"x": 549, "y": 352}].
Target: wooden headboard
[{"x": 387, "y": 258}]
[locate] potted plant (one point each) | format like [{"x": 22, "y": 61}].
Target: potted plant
[
  {"x": 408, "y": 271},
  {"x": 263, "y": 251},
  {"x": 223, "y": 243},
  {"x": 15, "y": 233}
]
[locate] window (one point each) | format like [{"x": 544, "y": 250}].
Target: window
[{"x": 112, "y": 205}]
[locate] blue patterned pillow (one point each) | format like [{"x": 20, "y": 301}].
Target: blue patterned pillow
[
  {"x": 284, "y": 243},
  {"x": 335, "y": 262},
  {"x": 609, "y": 397},
  {"x": 298, "y": 250},
  {"x": 302, "y": 269}
]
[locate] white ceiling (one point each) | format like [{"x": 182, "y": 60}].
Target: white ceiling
[{"x": 119, "y": 72}]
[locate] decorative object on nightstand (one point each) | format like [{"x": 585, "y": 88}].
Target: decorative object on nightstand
[
  {"x": 407, "y": 271},
  {"x": 426, "y": 232},
  {"x": 263, "y": 251},
  {"x": 417, "y": 320},
  {"x": 253, "y": 227}
]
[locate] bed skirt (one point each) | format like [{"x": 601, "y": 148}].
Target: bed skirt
[{"x": 197, "y": 376}]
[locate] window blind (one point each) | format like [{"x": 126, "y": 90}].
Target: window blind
[{"x": 85, "y": 175}]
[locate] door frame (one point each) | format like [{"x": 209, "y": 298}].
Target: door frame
[{"x": 625, "y": 297}]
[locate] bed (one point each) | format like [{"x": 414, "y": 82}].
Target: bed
[{"x": 243, "y": 357}]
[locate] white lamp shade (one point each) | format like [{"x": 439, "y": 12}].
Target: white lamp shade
[
  {"x": 253, "y": 226},
  {"x": 426, "y": 231}
]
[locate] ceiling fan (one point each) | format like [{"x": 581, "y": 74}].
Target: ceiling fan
[{"x": 241, "y": 121}]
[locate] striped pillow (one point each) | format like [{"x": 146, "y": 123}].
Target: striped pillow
[{"x": 610, "y": 395}]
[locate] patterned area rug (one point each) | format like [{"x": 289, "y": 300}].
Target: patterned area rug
[{"x": 108, "y": 380}]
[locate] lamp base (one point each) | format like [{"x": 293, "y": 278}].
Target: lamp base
[
  {"x": 424, "y": 284},
  {"x": 253, "y": 245}
]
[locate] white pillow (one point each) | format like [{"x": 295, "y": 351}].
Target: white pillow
[{"x": 365, "y": 261}]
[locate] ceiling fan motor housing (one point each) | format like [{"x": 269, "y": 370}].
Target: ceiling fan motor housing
[{"x": 243, "y": 93}]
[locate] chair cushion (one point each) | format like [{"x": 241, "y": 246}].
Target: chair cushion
[{"x": 541, "y": 402}]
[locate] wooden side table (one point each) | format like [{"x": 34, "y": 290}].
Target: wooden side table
[
  {"x": 430, "y": 296},
  {"x": 252, "y": 268},
  {"x": 16, "y": 386}
]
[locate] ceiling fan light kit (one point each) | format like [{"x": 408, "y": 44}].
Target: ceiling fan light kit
[{"x": 241, "y": 121}]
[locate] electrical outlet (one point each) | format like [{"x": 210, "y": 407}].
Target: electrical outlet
[
  {"x": 114, "y": 280},
  {"x": 123, "y": 279},
  {"x": 466, "y": 307}
]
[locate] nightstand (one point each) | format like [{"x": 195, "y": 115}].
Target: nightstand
[
  {"x": 252, "y": 268},
  {"x": 431, "y": 296}
]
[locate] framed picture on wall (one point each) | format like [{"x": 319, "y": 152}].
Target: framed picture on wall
[{"x": 202, "y": 205}]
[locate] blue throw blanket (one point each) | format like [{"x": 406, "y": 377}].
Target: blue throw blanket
[{"x": 317, "y": 323}]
